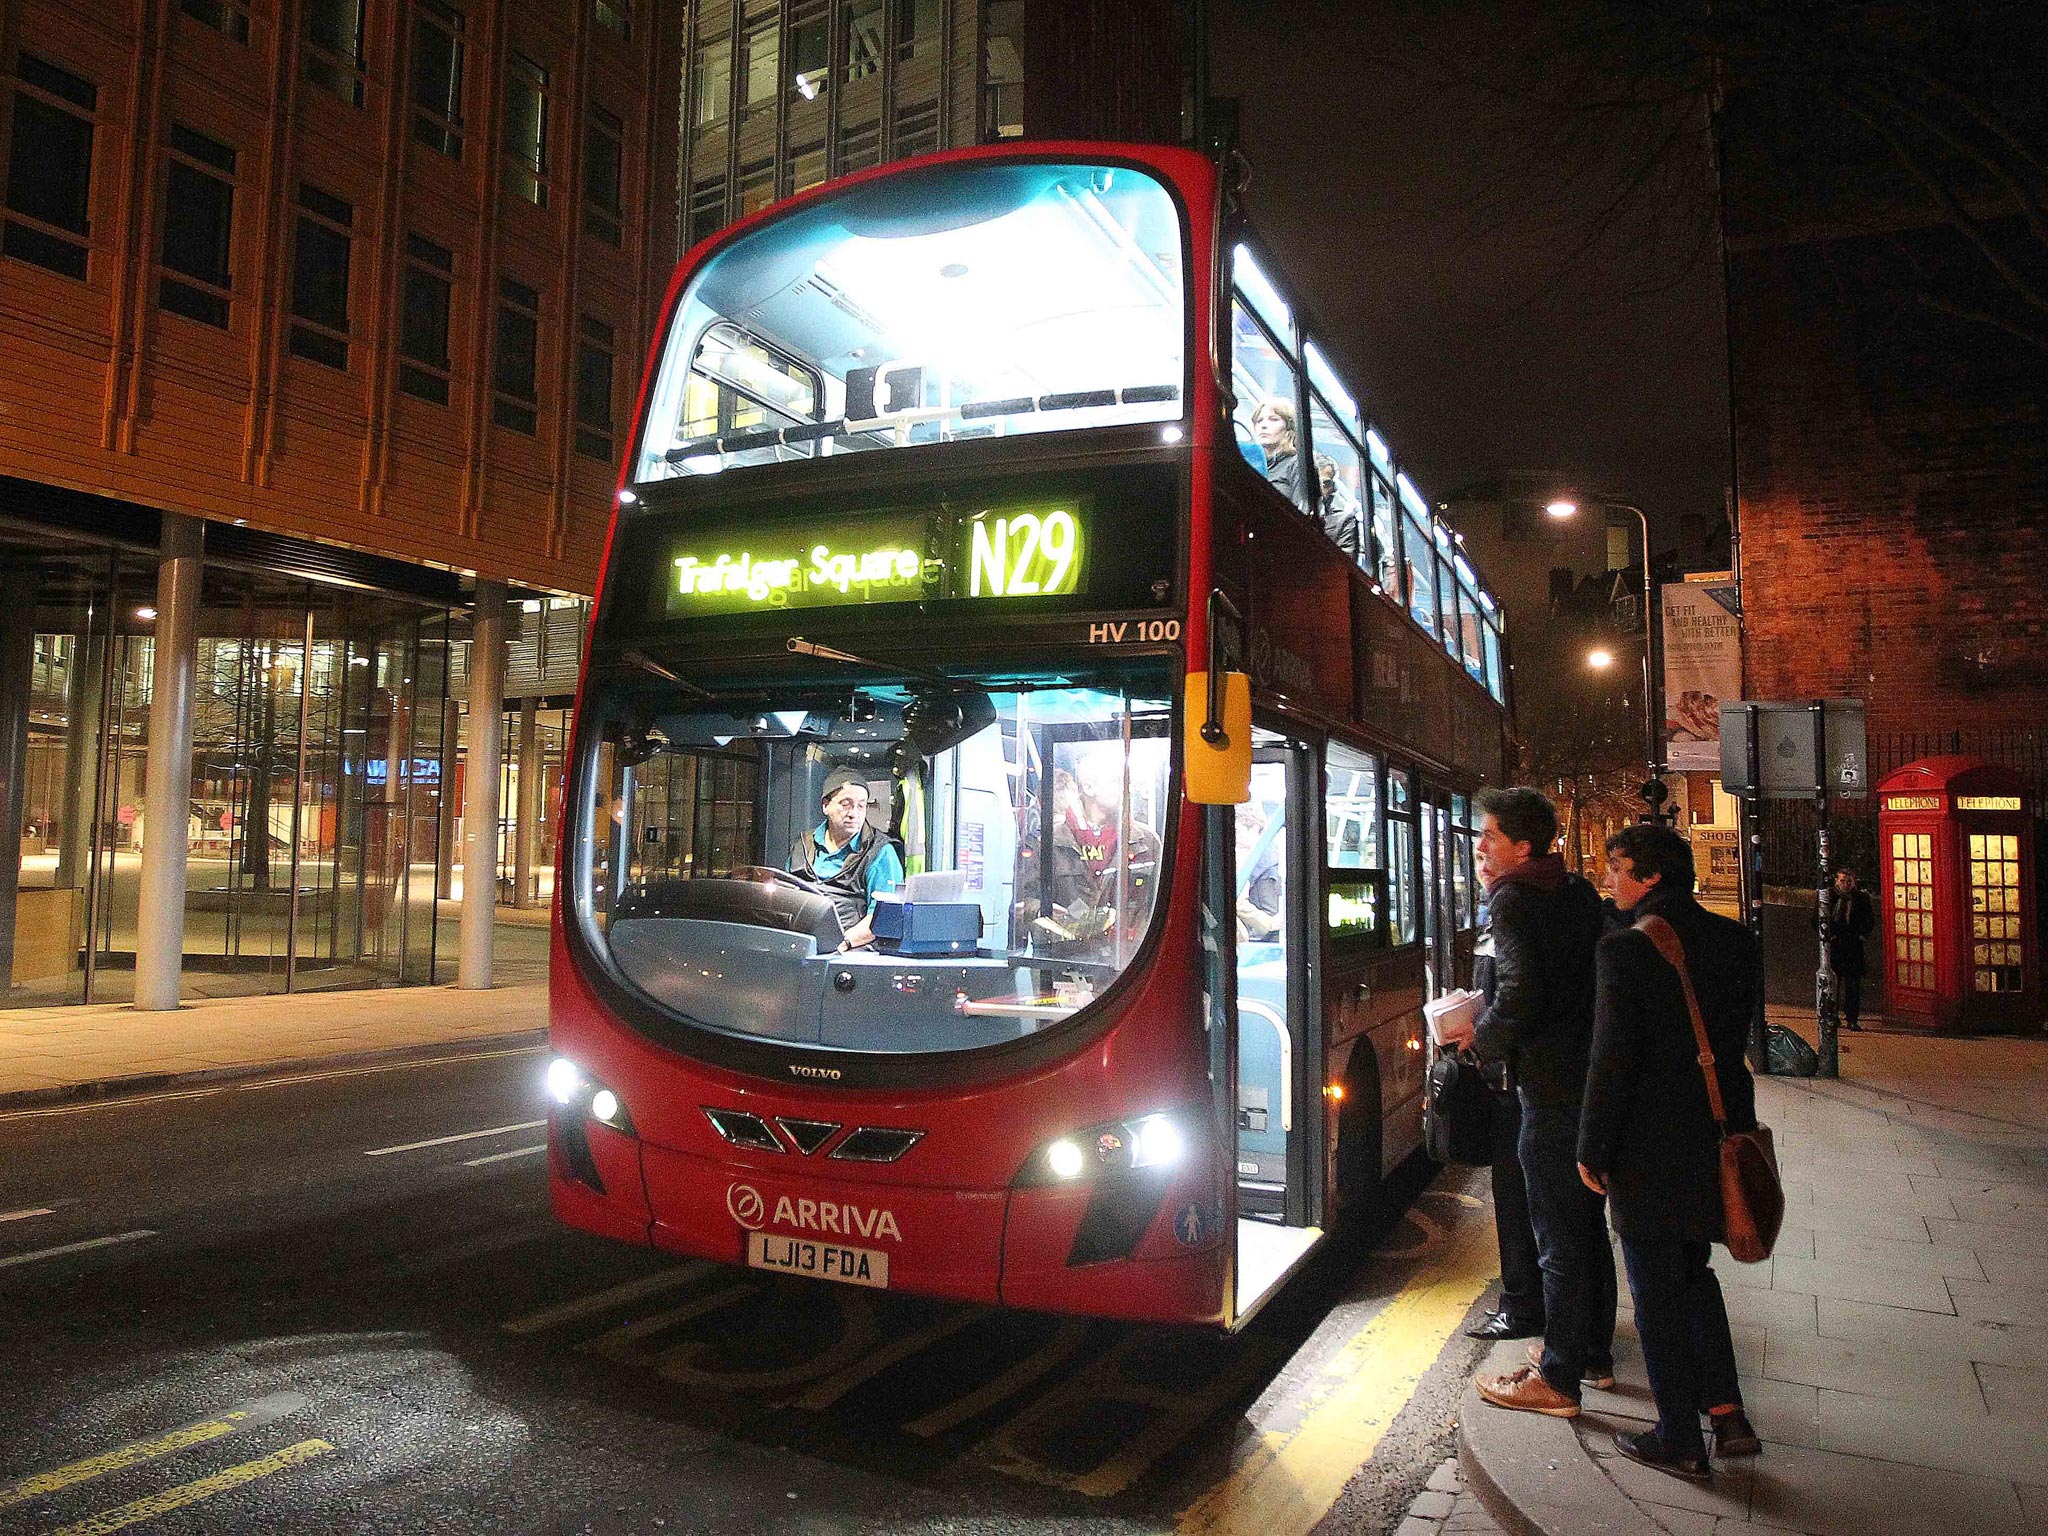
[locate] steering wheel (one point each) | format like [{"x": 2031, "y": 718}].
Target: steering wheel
[{"x": 768, "y": 875}]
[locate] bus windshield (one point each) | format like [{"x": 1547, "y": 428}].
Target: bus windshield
[
  {"x": 958, "y": 301},
  {"x": 923, "y": 866}
]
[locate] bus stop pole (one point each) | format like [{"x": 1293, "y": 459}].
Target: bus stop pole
[
  {"x": 1824, "y": 977},
  {"x": 1753, "y": 880}
]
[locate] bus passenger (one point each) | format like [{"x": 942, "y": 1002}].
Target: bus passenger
[
  {"x": 1273, "y": 430},
  {"x": 1258, "y": 877},
  {"x": 1101, "y": 867},
  {"x": 1339, "y": 508},
  {"x": 849, "y": 858}
]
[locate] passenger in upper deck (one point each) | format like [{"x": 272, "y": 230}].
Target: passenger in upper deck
[
  {"x": 1273, "y": 430},
  {"x": 1339, "y": 508},
  {"x": 850, "y": 859}
]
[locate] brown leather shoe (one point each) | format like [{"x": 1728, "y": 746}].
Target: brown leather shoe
[
  {"x": 1525, "y": 1389},
  {"x": 1598, "y": 1376}
]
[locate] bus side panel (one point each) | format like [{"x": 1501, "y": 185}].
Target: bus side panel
[
  {"x": 620, "y": 1210},
  {"x": 1176, "y": 1272}
]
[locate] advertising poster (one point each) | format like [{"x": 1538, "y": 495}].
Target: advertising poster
[{"x": 1702, "y": 667}]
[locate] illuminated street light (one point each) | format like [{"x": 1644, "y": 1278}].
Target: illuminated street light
[
  {"x": 1600, "y": 660},
  {"x": 1562, "y": 508}
]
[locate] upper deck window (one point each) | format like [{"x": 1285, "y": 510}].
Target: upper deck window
[{"x": 962, "y": 301}]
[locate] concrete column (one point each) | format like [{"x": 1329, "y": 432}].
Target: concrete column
[
  {"x": 480, "y": 784},
  {"x": 167, "y": 791},
  {"x": 526, "y": 836},
  {"x": 17, "y": 677}
]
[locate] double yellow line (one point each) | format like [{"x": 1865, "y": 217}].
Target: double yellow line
[{"x": 254, "y": 1415}]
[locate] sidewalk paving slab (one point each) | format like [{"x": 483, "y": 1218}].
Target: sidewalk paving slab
[{"x": 1893, "y": 1352}]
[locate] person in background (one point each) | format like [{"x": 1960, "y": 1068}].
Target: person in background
[
  {"x": 1273, "y": 430},
  {"x": 1258, "y": 877},
  {"x": 1850, "y": 920},
  {"x": 850, "y": 859},
  {"x": 1544, "y": 923},
  {"x": 1647, "y": 1140}
]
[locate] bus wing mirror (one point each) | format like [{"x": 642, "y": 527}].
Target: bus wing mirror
[{"x": 1217, "y": 738}]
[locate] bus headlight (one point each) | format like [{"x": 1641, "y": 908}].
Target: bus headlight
[
  {"x": 1156, "y": 1142},
  {"x": 604, "y": 1105},
  {"x": 1142, "y": 1143},
  {"x": 1065, "y": 1159},
  {"x": 564, "y": 1078}
]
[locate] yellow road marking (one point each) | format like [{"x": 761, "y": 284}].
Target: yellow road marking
[
  {"x": 1072, "y": 1330},
  {"x": 618, "y": 1344},
  {"x": 191, "y": 1493},
  {"x": 586, "y": 1306},
  {"x": 113, "y": 1461},
  {"x": 829, "y": 1391},
  {"x": 1290, "y": 1480}
]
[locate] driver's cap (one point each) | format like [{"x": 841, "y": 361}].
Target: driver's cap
[{"x": 839, "y": 778}]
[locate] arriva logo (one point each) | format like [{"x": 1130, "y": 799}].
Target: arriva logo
[
  {"x": 746, "y": 1205},
  {"x": 828, "y": 1216},
  {"x": 827, "y": 1074}
]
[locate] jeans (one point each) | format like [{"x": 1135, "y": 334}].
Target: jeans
[
  {"x": 1521, "y": 1277},
  {"x": 1570, "y": 1223},
  {"x": 1683, "y": 1325}
]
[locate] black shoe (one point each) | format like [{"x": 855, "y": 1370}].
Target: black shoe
[
  {"x": 1647, "y": 1450},
  {"x": 1852, "y": 1024},
  {"x": 1734, "y": 1435},
  {"x": 1499, "y": 1325}
]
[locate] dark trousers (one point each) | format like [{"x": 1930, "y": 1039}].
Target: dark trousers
[
  {"x": 1570, "y": 1223},
  {"x": 1850, "y": 983},
  {"x": 1521, "y": 1278},
  {"x": 1683, "y": 1326}
]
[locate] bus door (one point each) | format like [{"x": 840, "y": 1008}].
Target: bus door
[
  {"x": 1439, "y": 904},
  {"x": 1278, "y": 1107}
]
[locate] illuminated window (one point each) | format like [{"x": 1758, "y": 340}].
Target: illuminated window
[
  {"x": 711, "y": 80},
  {"x": 1913, "y": 911},
  {"x": 863, "y": 38},
  {"x": 1351, "y": 808},
  {"x": 525, "y": 172},
  {"x": 1416, "y": 556},
  {"x": 761, "y": 51},
  {"x": 1997, "y": 938},
  {"x": 1401, "y": 854}
]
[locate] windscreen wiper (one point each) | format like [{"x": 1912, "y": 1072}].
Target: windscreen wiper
[
  {"x": 648, "y": 664},
  {"x": 799, "y": 646}
]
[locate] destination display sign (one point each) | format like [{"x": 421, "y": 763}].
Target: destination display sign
[{"x": 992, "y": 554}]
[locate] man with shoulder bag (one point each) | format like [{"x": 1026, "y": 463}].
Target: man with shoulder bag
[
  {"x": 1543, "y": 922},
  {"x": 1669, "y": 1101}
]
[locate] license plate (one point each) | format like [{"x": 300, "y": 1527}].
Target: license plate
[{"x": 820, "y": 1261}]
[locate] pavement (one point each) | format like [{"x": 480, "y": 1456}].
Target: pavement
[
  {"x": 1893, "y": 1351},
  {"x": 56, "y": 1054}
]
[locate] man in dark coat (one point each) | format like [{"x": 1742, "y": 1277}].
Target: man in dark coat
[
  {"x": 1647, "y": 1138},
  {"x": 1849, "y": 923},
  {"x": 1520, "y": 1313},
  {"x": 1544, "y": 923}
]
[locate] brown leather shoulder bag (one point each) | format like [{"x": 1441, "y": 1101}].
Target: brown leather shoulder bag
[{"x": 1752, "y": 1199}]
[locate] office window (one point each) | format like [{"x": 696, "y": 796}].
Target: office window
[
  {"x": 806, "y": 165},
  {"x": 860, "y": 143},
  {"x": 199, "y": 216},
  {"x": 1002, "y": 106},
  {"x": 603, "y": 172},
  {"x": 757, "y": 186},
  {"x": 917, "y": 30},
  {"x": 810, "y": 49},
  {"x": 515, "y": 403},
  {"x": 320, "y": 259},
  {"x": 711, "y": 80},
  {"x": 526, "y": 131},
  {"x": 334, "y": 47},
  {"x": 759, "y": 61},
  {"x": 917, "y": 128},
  {"x": 707, "y": 208},
  {"x": 230, "y": 18},
  {"x": 615, "y": 17},
  {"x": 863, "y": 39},
  {"x": 595, "y": 358},
  {"x": 437, "y": 50},
  {"x": 48, "y": 217},
  {"x": 423, "y": 320}
]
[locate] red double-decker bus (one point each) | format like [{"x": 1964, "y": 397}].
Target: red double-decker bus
[{"x": 937, "y": 913}]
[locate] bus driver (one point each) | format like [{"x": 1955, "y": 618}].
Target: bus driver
[{"x": 850, "y": 859}]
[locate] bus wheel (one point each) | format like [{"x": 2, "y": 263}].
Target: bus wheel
[{"x": 1358, "y": 1136}]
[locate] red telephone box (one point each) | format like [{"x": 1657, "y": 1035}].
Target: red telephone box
[{"x": 1961, "y": 930}]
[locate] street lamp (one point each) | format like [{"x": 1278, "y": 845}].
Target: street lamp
[
  {"x": 1600, "y": 660},
  {"x": 1653, "y": 738}
]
